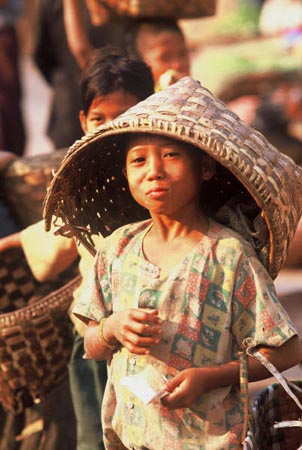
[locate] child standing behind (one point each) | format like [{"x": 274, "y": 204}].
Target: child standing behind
[
  {"x": 180, "y": 292},
  {"x": 111, "y": 82}
]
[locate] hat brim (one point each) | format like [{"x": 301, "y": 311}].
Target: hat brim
[{"x": 90, "y": 193}]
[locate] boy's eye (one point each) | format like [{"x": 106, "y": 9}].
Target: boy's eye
[
  {"x": 98, "y": 120},
  {"x": 171, "y": 154},
  {"x": 137, "y": 159}
]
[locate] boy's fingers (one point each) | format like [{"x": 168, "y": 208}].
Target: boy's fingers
[{"x": 150, "y": 316}]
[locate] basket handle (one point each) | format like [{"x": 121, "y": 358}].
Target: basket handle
[{"x": 249, "y": 349}]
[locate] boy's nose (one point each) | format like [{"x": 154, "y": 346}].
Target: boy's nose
[{"x": 155, "y": 167}]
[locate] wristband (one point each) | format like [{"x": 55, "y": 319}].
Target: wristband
[{"x": 101, "y": 335}]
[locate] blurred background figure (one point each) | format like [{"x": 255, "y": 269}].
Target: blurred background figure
[
  {"x": 162, "y": 44},
  {"x": 284, "y": 18},
  {"x": 8, "y": 223},
  {"x": 269, "y": 102},
  {"x": 61, "y": 64},
  {"x": 159, "y": 41},
  {"x": 12, "y": 133}
]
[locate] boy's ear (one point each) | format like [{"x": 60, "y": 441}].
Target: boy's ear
[
  {"x": 82, "y": 118},
  {"x": 207, "y": 168}
]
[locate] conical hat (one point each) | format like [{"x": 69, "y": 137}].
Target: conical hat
[{"x": 256, "y": 189}]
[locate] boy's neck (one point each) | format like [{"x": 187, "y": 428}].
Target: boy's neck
[
  {"x": 167, "y": 229},
  {"x": 168, "y": 242}
]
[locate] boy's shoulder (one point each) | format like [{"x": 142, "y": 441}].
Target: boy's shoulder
[
  {"x": 228, "y": 237},
  {"x": 123, "y": 236}
]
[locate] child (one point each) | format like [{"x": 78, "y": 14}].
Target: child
[
  {"x": 110, "y": 84},
  {"x": 179, "y": 292},
  {"x": 162, "y": 44}
]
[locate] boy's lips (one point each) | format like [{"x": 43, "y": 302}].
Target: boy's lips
[{"x": 156, "y": 192}]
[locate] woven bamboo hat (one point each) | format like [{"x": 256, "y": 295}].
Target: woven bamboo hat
[{"x": 256, "y": 190}]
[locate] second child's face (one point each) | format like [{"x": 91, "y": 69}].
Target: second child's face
[
  {"x": 164, "y": 51},
  {"x": 163, "y": 175},
  {"x": 106, "y": 108}
]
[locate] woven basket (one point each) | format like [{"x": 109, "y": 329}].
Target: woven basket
[
  {"x": 25, "y": 181},
  {"x": 35, "y": 331},
  {"x": 256, "y": 190},
  {"x": 176, "y": 9},
  {"x": 272, "y": 406},
  {"x": 275, "y": 419}
]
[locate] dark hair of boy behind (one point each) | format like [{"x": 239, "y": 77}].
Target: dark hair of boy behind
[{"x": 109, "y": 71}]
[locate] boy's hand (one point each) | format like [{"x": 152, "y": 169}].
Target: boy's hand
[
  {"x": 186, "y": 388},
  {"x": 136, "y": 329}
]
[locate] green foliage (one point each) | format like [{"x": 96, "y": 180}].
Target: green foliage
[{"x": 240, "y": 22}]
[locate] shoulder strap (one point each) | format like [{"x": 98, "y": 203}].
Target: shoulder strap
[{"x": 249, "y": 349}]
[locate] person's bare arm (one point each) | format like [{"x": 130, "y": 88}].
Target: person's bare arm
[
  {"x": 10, "y": 241},
  {"x": 136, "y": 329},
  {"x": 187, "y": 386},
  {"x": 76, "y": 33}
]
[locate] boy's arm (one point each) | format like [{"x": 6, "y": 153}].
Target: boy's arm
[
  {"x": 136, "y": 329},
  {"x": 187, "y": 386},
  {"x": 76, "y": 33},
  {"x": 10, "y": 241},
  {"x": 47, "y": 254}
]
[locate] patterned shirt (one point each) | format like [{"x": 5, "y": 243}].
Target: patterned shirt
[{"x": 215, "y": 297}]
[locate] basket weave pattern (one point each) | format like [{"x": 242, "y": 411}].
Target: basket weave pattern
[
  {"x": 161, "y": 8},
  {"x": 250, "y": 172},
  {"x": 35, "y": 332},
  {"x": 25, "y": 181},
  {"x": 273, "y": 405}
]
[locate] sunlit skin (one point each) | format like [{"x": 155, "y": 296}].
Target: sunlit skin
[
  {"x": 166, "y": 178},
  {"x": 164, "y": 51},
  {"x": 102, "y": 109},
  {"x": 106, "y": 108}
]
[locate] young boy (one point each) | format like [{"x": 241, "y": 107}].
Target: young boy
[
  {"x": 110, "y": 84},
  {"x": 161, "y": 43},
  {"x": 180, "y": 292}
]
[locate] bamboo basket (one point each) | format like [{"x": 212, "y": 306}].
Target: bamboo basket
[
  {"x": 36, "y": 334},
  {"x": 175, "y": 9}
]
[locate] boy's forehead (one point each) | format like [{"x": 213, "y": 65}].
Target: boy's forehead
[
  {"x": 114, "y": 102},
  {"x": 149, "y": 38}
]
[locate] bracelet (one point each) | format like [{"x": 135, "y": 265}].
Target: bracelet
[{"x": 101, "y": 335}]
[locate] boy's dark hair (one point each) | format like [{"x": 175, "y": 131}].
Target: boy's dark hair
[
  {"x": 154, "y": 25},
  {"x": 110, "y": 70}
]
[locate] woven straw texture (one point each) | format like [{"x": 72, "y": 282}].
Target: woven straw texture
[
  {"x": 176, "y": 9},
  {"x": 24, "y": 182},
  {"x": 256, "y": 189},
  {"x": 35, "y": 331},
  {"x": 273, "y": 405}
]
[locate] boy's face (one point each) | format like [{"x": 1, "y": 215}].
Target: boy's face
[
  {"x": 106, "y": 108},
  {"x": 164, "y": 175},
  {"x": 163, "y": 51}
]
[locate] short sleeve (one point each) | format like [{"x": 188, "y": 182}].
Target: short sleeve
[
  {"x": 256, "y": 309},
  {"x": 95, "y": 301}
]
